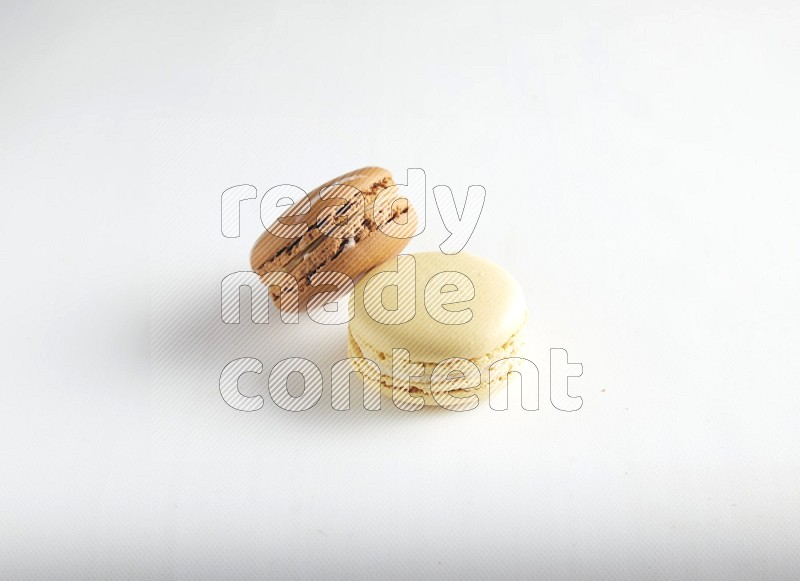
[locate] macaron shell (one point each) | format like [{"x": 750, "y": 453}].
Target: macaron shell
[{"x": 498, "y": 311}]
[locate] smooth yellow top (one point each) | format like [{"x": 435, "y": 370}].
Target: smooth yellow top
[{"x": 497, "y": 307}]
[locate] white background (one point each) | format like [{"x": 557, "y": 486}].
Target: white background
[{"x": 641, "y": 167}]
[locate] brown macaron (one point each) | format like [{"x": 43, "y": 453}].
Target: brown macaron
[{"x": 349, "y": 225}]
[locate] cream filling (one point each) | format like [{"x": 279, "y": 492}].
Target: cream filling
[{"x": 498, "y": 359}]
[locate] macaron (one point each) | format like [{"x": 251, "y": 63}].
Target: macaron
[
  {"x": 348, "y": 225},
  {"x": 419, "y": 316}
]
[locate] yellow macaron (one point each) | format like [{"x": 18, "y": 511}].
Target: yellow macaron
[{"x": 439, "y": 327}]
